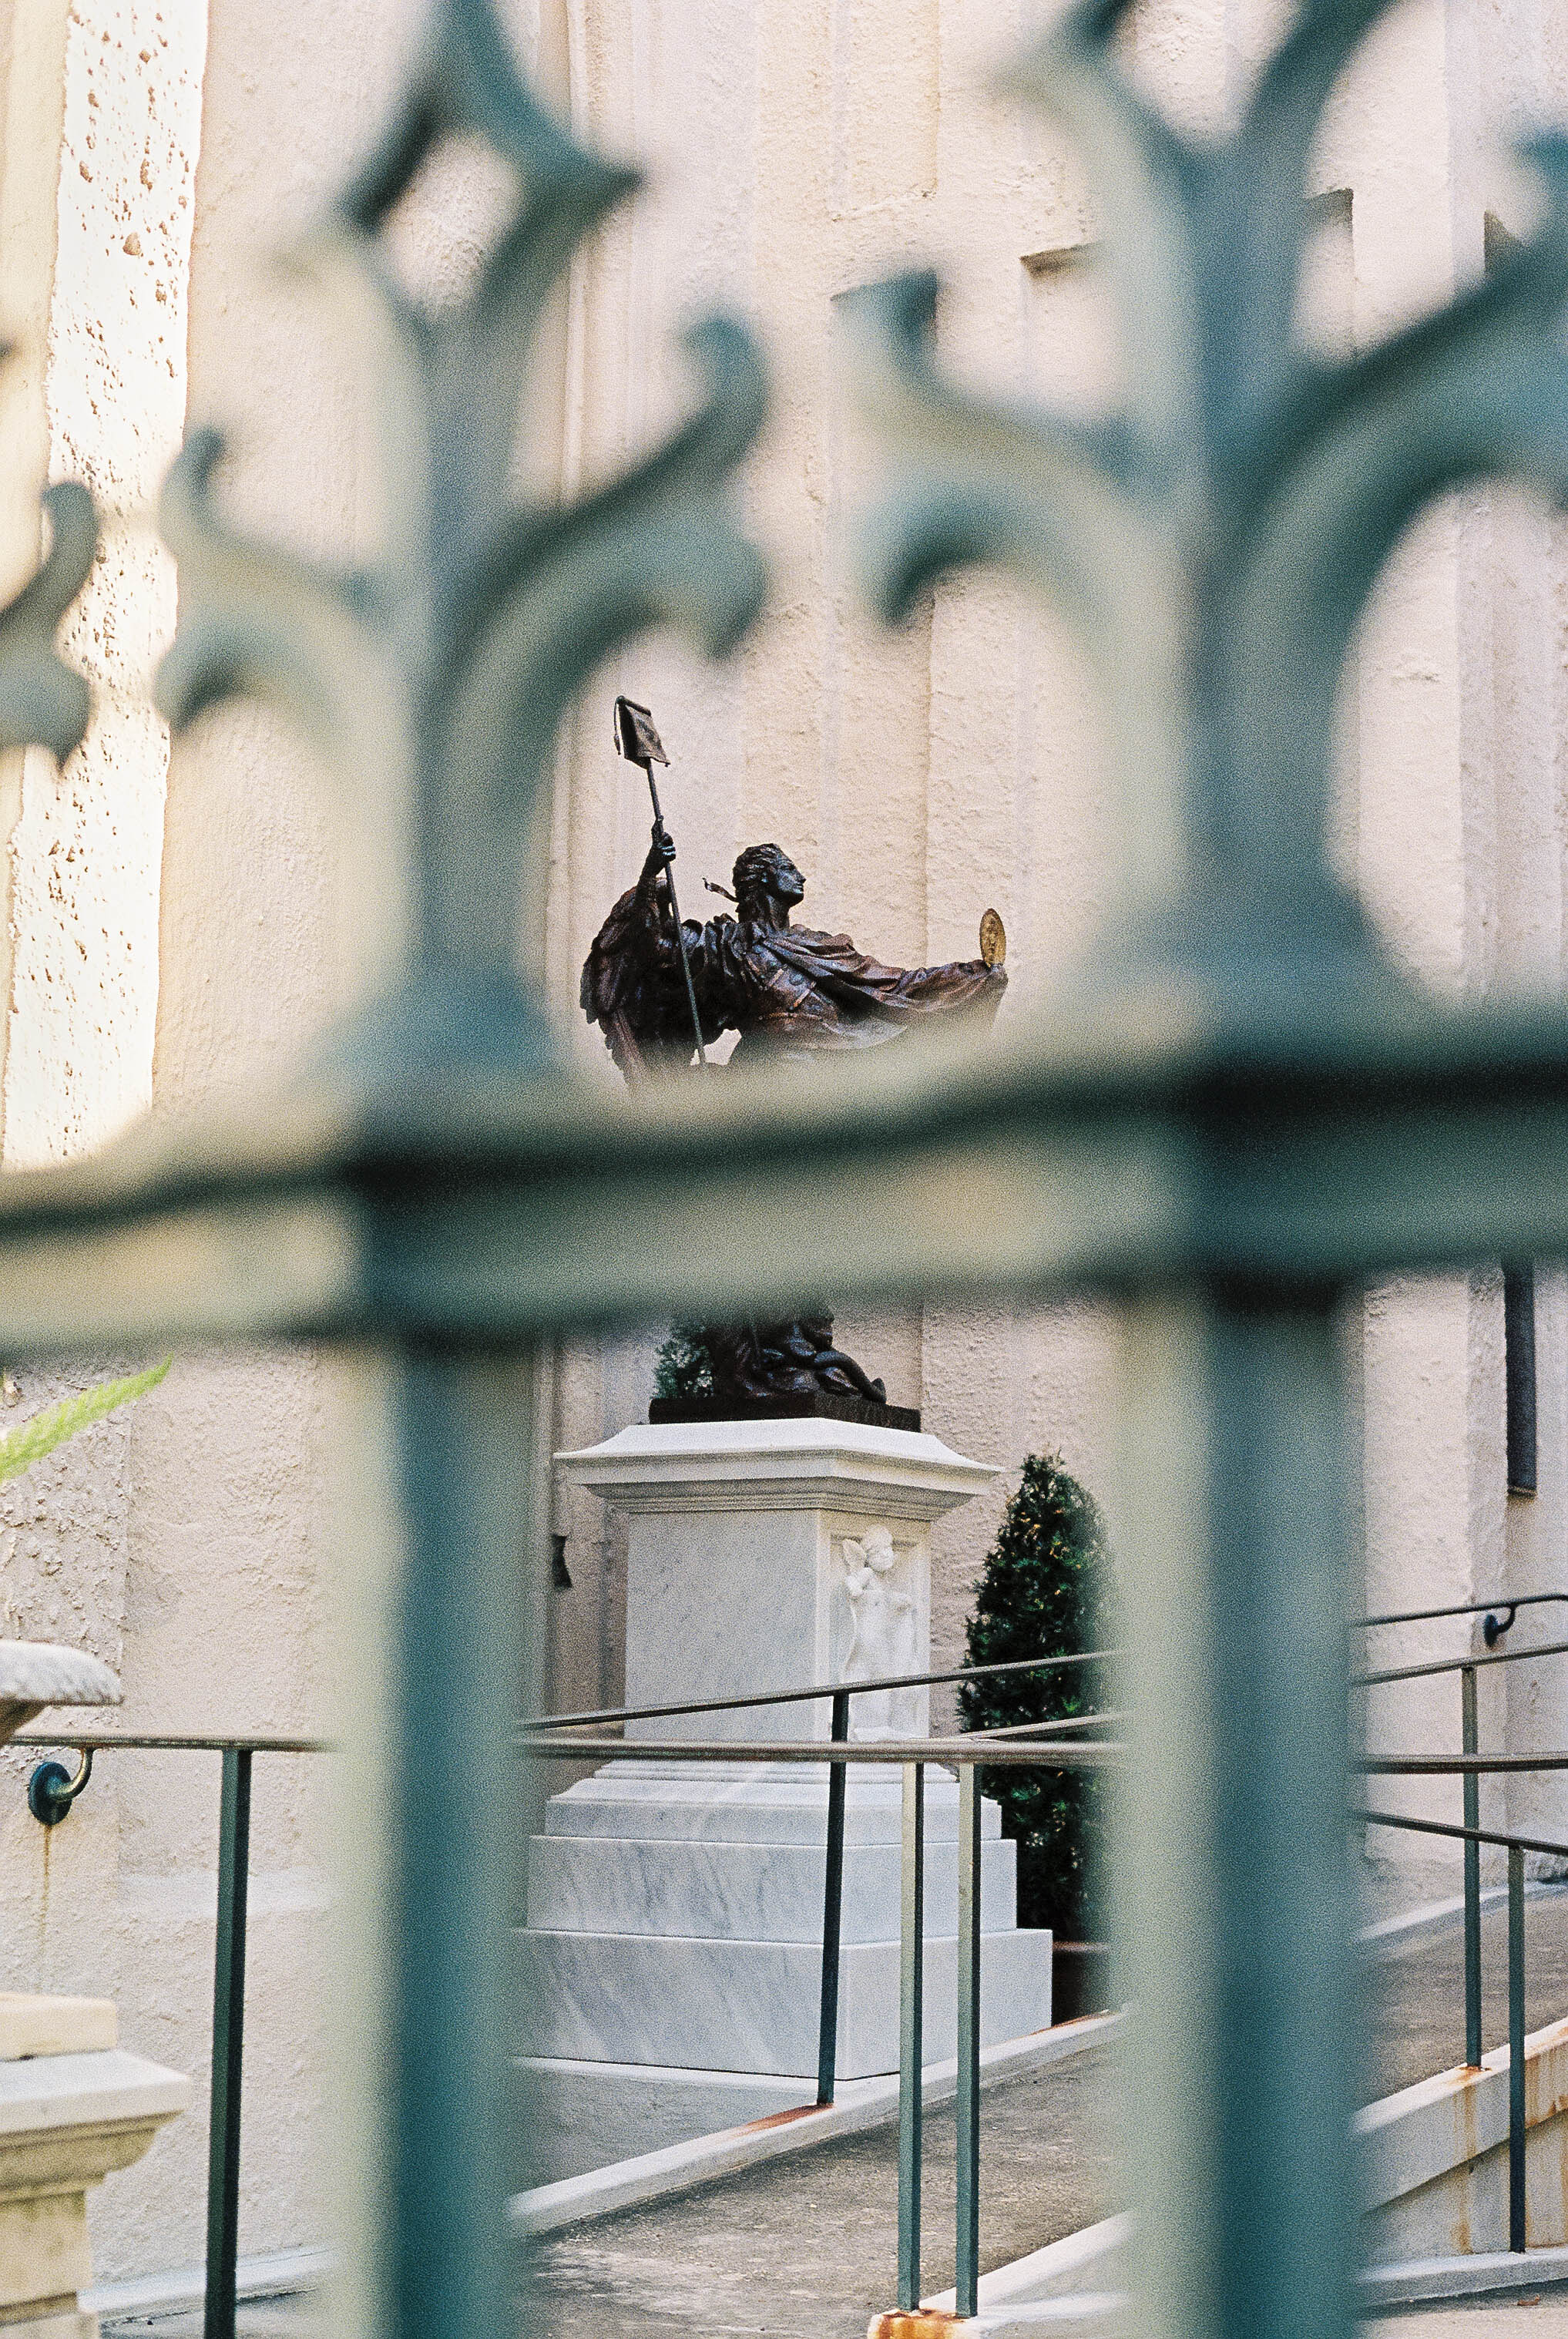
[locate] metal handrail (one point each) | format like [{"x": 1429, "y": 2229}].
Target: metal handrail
[
  {"x": 554, "y": 1738},
  {"x": 968, "y": 1755},
  {"x": 1516, "y": 1847},
  {"x": 1054, "y": 1745},
  {"x": 219, "y": 2313},
  {"x": 817, "y": 1692},
  {"x": 172, "y": 1742},
  {"x": 1469, "y": 1764},
  {"x": 1469, "y": 1667},
  {"x": 1457, "y": 1664},
  {"x": 996, "y": 1730},
  {"x": 1494, "y": 1627},
  {"x": 958, "y": 1752},
  {"x": 1463, "y": 1834}
]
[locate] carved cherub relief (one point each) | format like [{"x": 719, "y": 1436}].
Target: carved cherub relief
[{"x": 884, "y": 1633}]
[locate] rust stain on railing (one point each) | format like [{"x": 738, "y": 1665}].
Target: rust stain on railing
[
  {"x": 782, "y": 2120},
  {"x": 920, "y": 2322}
]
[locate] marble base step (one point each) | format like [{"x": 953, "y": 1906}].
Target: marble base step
[
  {"x": 751, "y": 1803},
  {"x": 573, "y": 2117},
  {"x": 748, "y": 1891},
  {"x": 752, "y": 2006}
]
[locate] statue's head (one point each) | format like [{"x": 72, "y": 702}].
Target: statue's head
[{"x": 762, "y": 870}]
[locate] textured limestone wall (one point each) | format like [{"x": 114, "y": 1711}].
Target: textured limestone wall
[{"x": 102, "y": 125}]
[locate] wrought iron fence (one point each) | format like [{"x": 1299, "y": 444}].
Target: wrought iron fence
[{"x": 1238, "y": 1114}]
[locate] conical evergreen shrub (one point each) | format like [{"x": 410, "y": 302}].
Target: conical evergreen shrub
[
  {"x": 1044, "y": 1594},
  {"x": 684, "y": 1367}
]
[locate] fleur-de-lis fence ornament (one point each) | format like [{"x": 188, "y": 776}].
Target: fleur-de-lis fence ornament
[
  {"x": 435, "y": 682},
  {"x": 44, "y": 702},
  {"x": 1215, "y": 540}
]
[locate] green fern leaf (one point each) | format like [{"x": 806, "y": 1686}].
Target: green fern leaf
[{"x": 32, "y": 1439}]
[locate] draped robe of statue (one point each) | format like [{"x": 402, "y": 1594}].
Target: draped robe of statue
[{"x": 790, "y": 992}]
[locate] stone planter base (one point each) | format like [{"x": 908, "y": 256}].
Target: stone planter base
[{"x": 66, "y": 2120}]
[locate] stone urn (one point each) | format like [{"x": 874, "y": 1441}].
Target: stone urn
[{"x": 36, "y": 1674}]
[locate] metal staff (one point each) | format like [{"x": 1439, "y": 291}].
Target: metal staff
[{"x": 637, "y": 739}]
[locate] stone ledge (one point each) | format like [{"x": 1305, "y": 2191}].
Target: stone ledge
[
  {"x": 1424, "y": 2132},
  {"x": 775, "y": 1465},
  {"x": 31, "y": 2025},
  {"x": 67, "y": 2121},
  {"x": 102, "y": 2090}
]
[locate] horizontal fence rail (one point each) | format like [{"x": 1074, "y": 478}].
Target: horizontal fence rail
[{"x": 50, "y": 1801}]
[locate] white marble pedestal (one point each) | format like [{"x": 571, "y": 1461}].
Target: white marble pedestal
[{"x": 671, "y": 1965}]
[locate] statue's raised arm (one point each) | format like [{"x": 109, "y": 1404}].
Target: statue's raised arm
[{"x": 633, "y": 984}]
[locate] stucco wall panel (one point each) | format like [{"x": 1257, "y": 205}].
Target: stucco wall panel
[{"x": 85, "y": 852}]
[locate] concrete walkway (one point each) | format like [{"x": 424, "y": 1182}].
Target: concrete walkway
[
  {"x": 726, "y": 2260},
  {"x": 1415, "y": 1995},
  {"x": 1539, "y": 2315},
  {"x": 804, "y": 2246}
]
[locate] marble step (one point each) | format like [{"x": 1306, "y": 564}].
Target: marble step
[
  {"x": 748, "y": 1891},
  {"x": 568, "y": 2118},
  {"x": 752, "y": 2006},
  {"x": 756, "y": 1802}
]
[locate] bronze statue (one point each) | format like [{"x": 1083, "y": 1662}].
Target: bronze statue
[
  {"x": 661, "y": 988},
  {"x": 787, "y": 990}
]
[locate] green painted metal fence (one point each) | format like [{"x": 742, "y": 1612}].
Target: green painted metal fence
[{"x": 1238, "y": 1112}]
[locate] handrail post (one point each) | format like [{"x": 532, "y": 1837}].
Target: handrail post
[
  {"x": 1516, "y": 2048},
  {"x": 911, "y": 1992},
  {"x": 833, "y": 1909},
  {"x": 228, "y": 2045},
  {"x": 1470, "y": 1739},
  {"x": 967, "y": 2276}
]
